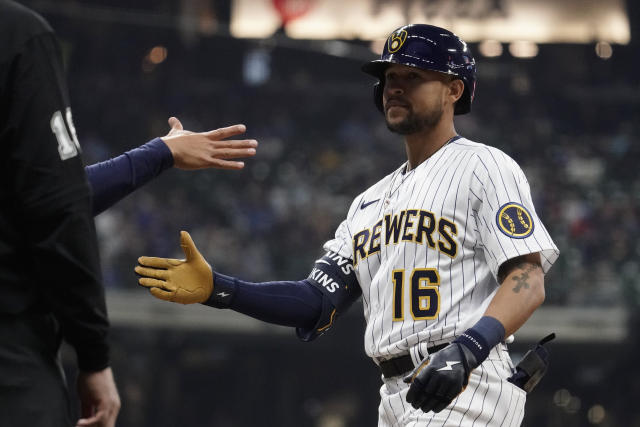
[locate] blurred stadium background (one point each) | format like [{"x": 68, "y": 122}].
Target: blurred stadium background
[{"x": 558, "y": 90}]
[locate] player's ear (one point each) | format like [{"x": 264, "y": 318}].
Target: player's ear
[{"x": 456, "y": 89}]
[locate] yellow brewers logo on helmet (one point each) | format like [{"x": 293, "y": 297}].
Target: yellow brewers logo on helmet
[
  {"x": 396, "y": 40},
  {"x": 514, "y": 220}
]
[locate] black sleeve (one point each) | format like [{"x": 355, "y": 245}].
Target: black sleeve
[{"x": 50, "y": 197}]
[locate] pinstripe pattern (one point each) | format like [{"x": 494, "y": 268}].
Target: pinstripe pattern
[
  {"x": 489, "y": 400},
  {"x": 446, "y": 213}
]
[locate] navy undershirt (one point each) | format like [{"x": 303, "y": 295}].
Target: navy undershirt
[
  {"x": 113, "y": 179},
  {"x": 287, "y": 303}
]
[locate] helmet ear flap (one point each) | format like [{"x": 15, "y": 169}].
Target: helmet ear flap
[{"x": 377, "y": 95}]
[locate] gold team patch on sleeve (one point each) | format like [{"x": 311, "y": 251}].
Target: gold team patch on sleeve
[{"x": 514, "y": 220}]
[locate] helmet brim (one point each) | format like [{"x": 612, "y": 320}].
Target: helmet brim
[{"x": 376, "y": 68}]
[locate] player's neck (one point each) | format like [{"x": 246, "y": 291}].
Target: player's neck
[{"x": 420, "y": 146}]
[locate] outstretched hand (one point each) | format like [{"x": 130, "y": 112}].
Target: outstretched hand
[
  {"x": 210, "y": 149},
  {"x": 187, "y": 281}
]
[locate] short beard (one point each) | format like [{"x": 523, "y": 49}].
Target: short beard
[{"x": 414, "y": 124}]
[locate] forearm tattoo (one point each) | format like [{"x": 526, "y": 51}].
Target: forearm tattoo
[{"x": 520, "y": 280}]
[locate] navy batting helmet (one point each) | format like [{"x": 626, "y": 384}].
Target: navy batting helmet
[{"x": 429, "y": 48}]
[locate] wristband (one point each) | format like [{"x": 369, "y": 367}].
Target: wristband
[
  {"x": 482, "y": 337},
  {"x": 224, "y": 289}
]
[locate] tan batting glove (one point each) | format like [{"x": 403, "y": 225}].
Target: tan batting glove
[{"x": 187, "y": 281}]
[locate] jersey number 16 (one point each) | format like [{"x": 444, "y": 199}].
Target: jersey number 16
[{"x": 424, "y": 293}]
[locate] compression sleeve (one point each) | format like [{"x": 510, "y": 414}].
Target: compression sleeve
[
  {"x": 291, "y": 303},
  {"x": 116, "y": 178},
  {"x": 310, "y": 305}
]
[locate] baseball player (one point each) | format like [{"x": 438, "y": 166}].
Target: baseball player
[{"x": 447, "y": 252}]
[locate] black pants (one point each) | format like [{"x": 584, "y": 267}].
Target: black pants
[{"x": 33, "y": 390}]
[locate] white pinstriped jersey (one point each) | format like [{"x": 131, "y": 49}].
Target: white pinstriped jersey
[{"x": 427, "y": 244}]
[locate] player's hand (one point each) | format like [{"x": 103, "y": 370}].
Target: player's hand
[
  {"x": 211, "y": 149},
  {"x": 187, "y": 281},
  {"x": 99, "y": 398},
  {"x": 440, "y": 378}
]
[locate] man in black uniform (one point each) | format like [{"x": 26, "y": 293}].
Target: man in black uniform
[
  {"x": 50, "y": 284},
  {"x": 46, "y": 228}
]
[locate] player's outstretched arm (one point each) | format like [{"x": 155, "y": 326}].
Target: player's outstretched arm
[
  {"x": 114, "y": 179},
  {"x": 440, "y": 378},
  {"x": 310, "y": 305}
]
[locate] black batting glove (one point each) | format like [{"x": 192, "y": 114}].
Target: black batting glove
[{"x": 440, "y": 378}]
